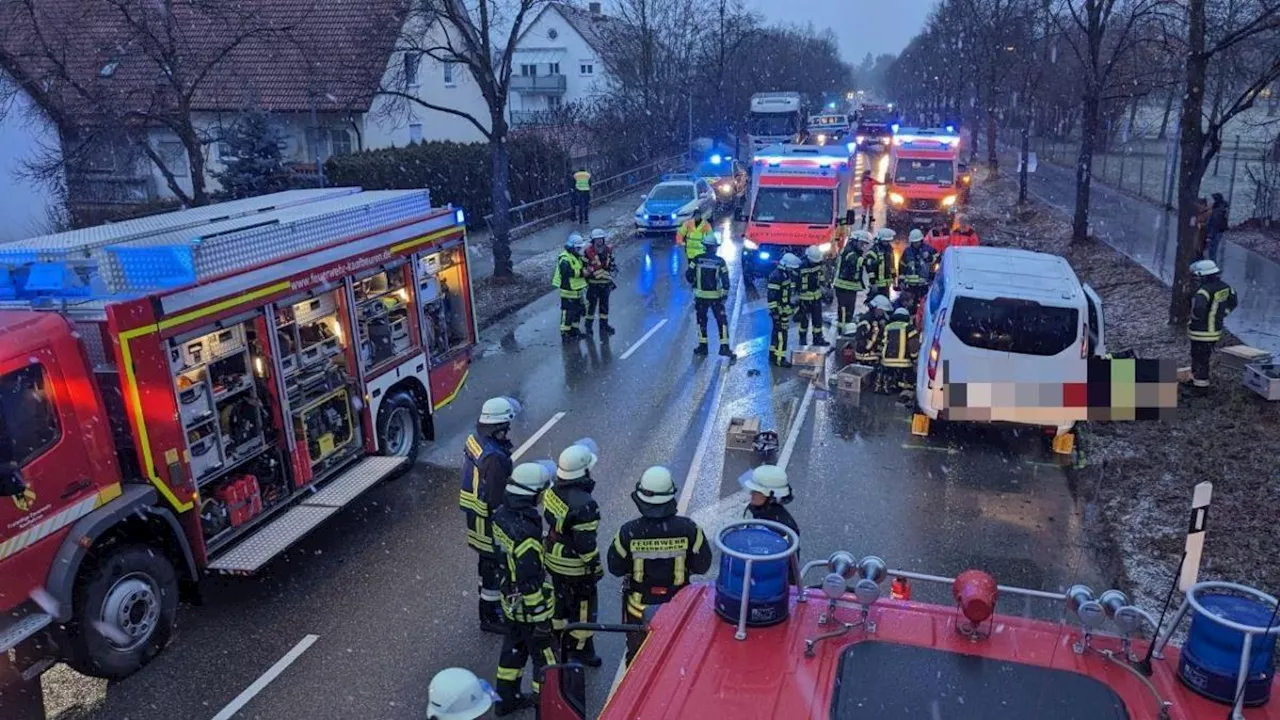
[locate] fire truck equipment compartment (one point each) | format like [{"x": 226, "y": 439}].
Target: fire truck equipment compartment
[{"x": 870, "y": 682}]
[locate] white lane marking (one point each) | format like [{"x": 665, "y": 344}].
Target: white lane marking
[
  {"x": 265, "y": 679},
  {"x": 536, "y": 436},
  {"x": 793, "y": 432},
  {"x": 686, "y": 493},
  {"x": 636, "y": 345}
]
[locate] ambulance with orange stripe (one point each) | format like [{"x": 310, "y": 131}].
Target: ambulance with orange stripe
[
  {"x": 194, "y": 392},
  {"x": 799, "y": 197}
]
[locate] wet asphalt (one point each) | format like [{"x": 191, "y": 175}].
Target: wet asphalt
[{"x": 388, "y": 585}]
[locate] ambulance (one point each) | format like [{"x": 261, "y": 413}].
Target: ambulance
[
  {"x": 922, "y": 178},
  {"x": 800, "y": 196}
]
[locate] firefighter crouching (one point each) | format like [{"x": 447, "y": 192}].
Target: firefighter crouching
[
  {"x": 709, "y": 276},
  {"x": 848, "y": 279},
  {"x": 915, "y": 271},
  {"x": 879, "y": 263},
  {"x": 656, "y": 553},
  {"x": 898, "y": 355},
  {"x": 1212, "y": 302},
  {"x": 572, "y": 558},
  {"x": 693, "y": 234},
  {"x": 486, "y": 465},
  {"x": 601, "y": 268},
  {"x": 570, "y": 279},
  {"x": 528, "y": 598},
  {"x": 810, "y": 284},
  {"x": 782, "y": 305},
  {"x": 868, "y": 332}
]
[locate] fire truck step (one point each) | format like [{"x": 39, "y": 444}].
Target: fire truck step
[
  {"x": 256, "y": 550},
  {"x": 350, "y": 484},
  {"x": 21, "y": 629}
]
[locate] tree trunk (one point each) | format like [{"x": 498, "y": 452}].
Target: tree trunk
[
  {"x": 993, "y": 162},
  {"x": 1191, "y": 165},
  {"x": 500, "y": 199},
  {"x": 1024, "y": 166},
  {"x": 1164, "y": 119},
  {"x": 195, "y": 160},
  {"x": 1084, "y": 166}
]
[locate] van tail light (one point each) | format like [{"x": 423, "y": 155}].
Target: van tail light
[
  {"x": 1084, "y": 343},
  {"x": 935, "y": 350}
]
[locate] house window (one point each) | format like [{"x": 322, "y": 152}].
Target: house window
[
  {"x": 411, "y": 62},
  {"x": 339, "y": 142},
  {"x": 174, "y": 157},
  {"x": 553, "y": 68},
  {"x": 449, "y": 80},
  {"x": 587, "y": 67},
  {"x": 528, "y": 70},
  {"x": 553, "y": 102},
  {"x": 415, "y": 133}
]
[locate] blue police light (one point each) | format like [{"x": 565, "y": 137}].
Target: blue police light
[
  {"x": 951, "y": 128},
  {"x": 460, "y": 217},
  {"x": 716, "y": 159},
  {"x": 831, "y": 105},
  {"x": 853, "y": 147},
  {"x": 894, "y": 127},
  {"x": 764, "y": 255}
]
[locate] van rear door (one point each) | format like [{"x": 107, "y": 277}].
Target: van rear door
[
  {"x": 1097, "y": 323},
  {"x": 1005, "y": 340}
]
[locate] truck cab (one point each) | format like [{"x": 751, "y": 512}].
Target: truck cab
[
  {"x": 922, "y": 178},
  {"x": 774, "y": 118},
  {"x": 799, "y": 197},
  {"x": 874, "y": 129}
]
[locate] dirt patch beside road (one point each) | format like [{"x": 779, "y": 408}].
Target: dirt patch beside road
[
  {"x": 1140, "y": 475},
  {"x": 1264, "y": 242}
]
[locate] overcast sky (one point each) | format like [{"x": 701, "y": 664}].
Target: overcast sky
[{"x": 862, "y": 26}]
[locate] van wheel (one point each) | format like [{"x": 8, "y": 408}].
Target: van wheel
[
  {"x": 125, "y": 609},
  {"x": 400, "y": 430}
]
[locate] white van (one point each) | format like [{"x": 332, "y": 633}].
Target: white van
[{"x": 996, "y": 317}]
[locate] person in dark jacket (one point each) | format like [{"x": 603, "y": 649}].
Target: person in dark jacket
[
  {"x": 486, "y": 465},
  {"x": 655, "y": 554},
  {"x": 573, "y": 558},
  {"x": 1216, "y": 226},
  {"x": 769, "y": 492},
  {"x": 1212, "y": 302}
]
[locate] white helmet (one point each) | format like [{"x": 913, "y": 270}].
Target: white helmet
[
  {"x": 915, "y": 236},
  {"x": 598, "y": 234},
  {"x": 575, "y": 243},
  {"x": 768, "y": 480},
  {"x": 712, "y": 239},
  {"x": 457, "y": 694},
  {"x": 529, "y": 479},
  {"x": 881, "y": 302},
  {"x": 656, "y": 487},
  {"x": 1204, "y": 268},
  {"x": 574, "y": 462},
  {"x": 901, "y": 312},
  {"x": 865, "y": 239},
  {"x": 789, "y": 261},
  {"x": 814, "y": 253},
  {"x": 886, "y": 235},
  {"x": 497, "y": 411}
]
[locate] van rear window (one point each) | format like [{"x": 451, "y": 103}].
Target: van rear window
[{"x": 1017, "y": 326}]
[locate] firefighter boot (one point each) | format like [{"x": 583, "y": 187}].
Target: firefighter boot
[
  {"x": 512, "y": 700},
  {"x": 725, "y": 351},
  {"x": 492, "y": 619},
  {"x": 700, "y": 350},
  {"x": 606, "y": 328},
  {"x": 818, "y": 339}
]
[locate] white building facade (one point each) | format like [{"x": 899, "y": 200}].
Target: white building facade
[{"x": 556, "y": 64}]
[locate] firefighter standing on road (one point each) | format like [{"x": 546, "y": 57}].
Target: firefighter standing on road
[
  {"x": 486, "y": 465},
  {"x": 600, "y": 270},
  {"x": 572, "y": 558},
  {"x": 656, "y": 553},
  {"x": 693, "y": 234},
  {"x": 709, "y": 276},
  {"x": 1212, "y": 302},
  {"x": 782, "y": 305},
  {"x": 528, "y": 598},
  {"x": 570, "y": 279},
  {"x": 811, "y": 283},
  {"x": 916, "y": 270},
  {"x": 898, "y": 354},
  {"x": 868, "y": 198},
  {"x": 869, "y": 331},
  {"x": 581, "y": 195},
  {"x": 879, "y": 263},
  {"x": 848, "y": 281}
]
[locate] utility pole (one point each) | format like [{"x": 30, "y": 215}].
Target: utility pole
[{"x": 690, "y": 122}]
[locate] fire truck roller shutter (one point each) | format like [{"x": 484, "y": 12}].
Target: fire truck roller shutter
[{"x": 127, "y": 571}]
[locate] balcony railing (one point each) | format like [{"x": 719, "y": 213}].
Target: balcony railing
[
  {"x": 526, "y": 118},
  {"x": 543, "y": 84}
]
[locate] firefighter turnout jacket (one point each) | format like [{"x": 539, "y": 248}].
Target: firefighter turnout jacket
[
  {"x": 868, "y": 338},
  {"x": 810, "y": 281},
  {"x": 570, "y": 277},
  {"x": 879, "y": 264},
  {"x": 573, "y": 518},
  {"x": 1212, "y": 302},
  {"x": 901, "y": 345},
  {"x": 848, "y": 274},
  {"x": 486, "y": 465},
  {"x": 782, "y": 293},
  {"x": 691, "y": 234},
  {"x": 916, "y": 267},
  {"x": 709, "y": 276},
  {"x": 600, "y": 265},
  {"x": 656, "y": 554},
  {"x": 527, "y": 593}
]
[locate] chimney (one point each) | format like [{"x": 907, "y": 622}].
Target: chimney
[{"x": 594, "y": 9}]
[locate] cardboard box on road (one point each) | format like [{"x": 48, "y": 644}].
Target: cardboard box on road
[
  {"x": 742, "y": 433},
  {"x": 811, "y": 360},
  {"x": 850, "y": 382}
]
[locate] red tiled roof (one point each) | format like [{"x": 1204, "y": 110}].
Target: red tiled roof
[{"x": 277, "y": 55}]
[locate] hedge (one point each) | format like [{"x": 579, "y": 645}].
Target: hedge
[{"x": 457, "y": 173}]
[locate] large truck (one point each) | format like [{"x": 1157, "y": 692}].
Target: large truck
[
  {"x": 775, "y": 118},
  {"x": 874, "y": 129},
  {"x": 194, "y": 392},
  {"x": 800, "y": 196}
]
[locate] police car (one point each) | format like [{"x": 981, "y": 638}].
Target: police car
[{"x": 674, "y": 200}]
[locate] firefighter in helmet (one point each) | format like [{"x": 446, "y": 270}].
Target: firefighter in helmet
[
  {"x": 486, "y": 465},
  {"x": 848, "y": 278},
  {"x": 810, "y": 283},
  {"x": 783, "y": 303},
  {"x": 657, "y": 553},
  {"x": 570, "y": 279},
  {"x": 573, "y": 559},
  {"x": 879, "y": 262},
  {"x": 868, "y": 333},
  {"x": 709, "y": 276},
  {"x": 898, "y": 354},
  {"x": 601, "y": 267},
  {"x": 916, "y": 270}
]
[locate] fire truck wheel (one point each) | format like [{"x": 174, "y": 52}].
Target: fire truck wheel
[
  {"x": 126, "y": 605},
  {"x": 400, "y": 429}
]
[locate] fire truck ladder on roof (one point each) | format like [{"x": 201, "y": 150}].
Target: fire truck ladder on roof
[{"x": 249, "y": 555}]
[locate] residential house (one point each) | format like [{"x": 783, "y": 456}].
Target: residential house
[{"x": 557, "y": 63}]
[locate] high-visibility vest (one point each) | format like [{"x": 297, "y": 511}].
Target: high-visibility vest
[
  {"x": 781, "y": 293},
  {"x": 691, "y": 234},
  {"x": 571, "y": 285},
  {"x": 896, "y": 352},
  {"x": 1209, "y": 309},
  {"x": 582, "y": 181},
  {"x": 848, "y": 269},
  {"x": 878, "y": 261},
  {"x": 810, "y": 282}
]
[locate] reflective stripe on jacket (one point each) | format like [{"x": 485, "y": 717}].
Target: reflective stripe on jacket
[
  {"x": 901, "y": 345},
  {"x": 528, "y": 595},
  {"x": 848, "y": 269},
  {"x": 1210, "y": 306},
  {"x": 570, "y": 277},
  {"x": 811, "y": 280},
  {"x": 486, "y": 465},
  {"x": 709, "y": 275},
  {"x": 581, "y": 181}
]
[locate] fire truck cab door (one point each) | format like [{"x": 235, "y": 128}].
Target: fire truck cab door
[{"x": 41, "y": 439}]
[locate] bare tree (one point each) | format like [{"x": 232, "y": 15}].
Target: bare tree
[{"x": 1244, "y": 36}]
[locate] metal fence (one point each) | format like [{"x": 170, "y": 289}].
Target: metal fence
[
  {"x": 529, "y": 217},
  {"x": 1247, "y": 174}
]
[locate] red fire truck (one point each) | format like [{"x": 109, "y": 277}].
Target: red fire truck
[
  {"x": 194, "y": 392},
  {"x": 923, "y": 177}
]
